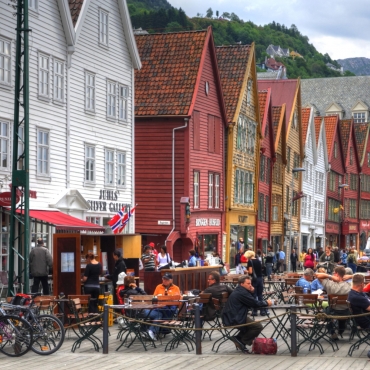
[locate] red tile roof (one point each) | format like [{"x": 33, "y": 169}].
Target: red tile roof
[
  {"x": 276, "y": 114},
  {"x": 361, "y": 134},
  {"x": 75, "y": 7},
  {"x": 170, "y": 64},
  {"x": 232, "y": 65},
  {"x": 330, "y": 130},
  {"x": 282, "y": 91},
  {"x": 306, "y": 112},
  {"x": 318, "y": 121},
  {"x": 345, "y": 134},
  {"x": 262, "y": 97}
]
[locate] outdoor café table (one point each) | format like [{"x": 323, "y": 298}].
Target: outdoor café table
[{"x": 278, "y": 287}]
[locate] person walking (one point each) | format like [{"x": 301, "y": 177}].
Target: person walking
[{"x": 40, "y": 261}]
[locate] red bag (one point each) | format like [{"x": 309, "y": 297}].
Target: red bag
[{"x": 264, "y": 346}]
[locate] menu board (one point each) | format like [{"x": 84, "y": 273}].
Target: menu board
[{"x": 67, "y": 262}]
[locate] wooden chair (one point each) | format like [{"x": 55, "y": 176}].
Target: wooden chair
[
  {"x": 298, "y": 289},
  {"x": 44, "y": 303},
  {"x": 336, "y": 300},
  {"x": 290, "y": 284},
  {"x": 141, "y": 298}
]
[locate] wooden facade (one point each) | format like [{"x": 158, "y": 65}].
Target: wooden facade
[{"x": 179, "y": 142}]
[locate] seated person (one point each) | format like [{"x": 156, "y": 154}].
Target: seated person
[
  {"x": 305, "y": 280},
  {"x": 127, "y": 286},
  {"x": 216, "y": 289},
  {"x": 359, "y": 301},
  {"x": 349, "y": 274},
  {"x": 316, "y": 285},
  {"x": 236, "y": 309}
]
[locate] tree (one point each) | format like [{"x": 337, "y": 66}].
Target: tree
[
  {"x": 209, "y": 13},
  {"x": 226, "y": 15},
  {"x": 174, "y": 27},
  {"x": 234, "y": 17},
  {"x": 217, "y": 13}
]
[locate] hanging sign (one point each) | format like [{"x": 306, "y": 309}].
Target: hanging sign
[{"x": 6, "y": 199}]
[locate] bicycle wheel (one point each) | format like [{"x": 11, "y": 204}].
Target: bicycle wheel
[
  {"x": 15, "y": 336},
  {"x": 48, "y": 334}
]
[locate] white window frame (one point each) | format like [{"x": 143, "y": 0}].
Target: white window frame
[
  {"x": 20, "y": 146},
  {"x": 217, "y": 190},
  {"x": 109, "y": 167},
  {"x": 304, "y": 207},
  {"x": 121, "y": 169},
  {"x": 309, "y": 201},
  {"x": 196, "y": 185},
  {"x": 90, "y": 92},
  {"x": 90, "y": 159},
  {"x": 111, "y": 99},
  {"x": 58, "y": 80},
  {"x": 33, "y": 5},
  {"x": 210, "y": 189},
  {"x": 43, "y": 148},
  {"x": 103, "y": 27},
  {"x": 5, "y": 62},
  {"x": 123, "y": 102},
  {"x": 275, "y": 213},
  {"x": 4, "y": 142},
  {"x": 44, "y": 76},
  {"x": 359, "y": 117}
]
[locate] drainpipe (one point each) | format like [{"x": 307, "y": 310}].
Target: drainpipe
[
  {"x": 186, "y": 120},
  {"x": 70, "y": 51}
]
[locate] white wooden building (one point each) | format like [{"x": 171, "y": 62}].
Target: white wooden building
[
  {"x": 314, "y": 181},
  {"x": 82, "y": 60}
]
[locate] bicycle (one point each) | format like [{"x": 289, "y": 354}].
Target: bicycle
[
  {"x": 16, "y": 336},
  {"x": 48, "y": 330}
]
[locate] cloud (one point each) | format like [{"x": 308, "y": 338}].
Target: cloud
[{"x": 330, "y": 26}]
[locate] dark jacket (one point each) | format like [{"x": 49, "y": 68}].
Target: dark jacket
[
  {"x": 131, "y": 291},
  {"x": 236, "y": 308},
  {"x": 293, "y": 257},
  {"x": 119, "y": 267},
  {"x": 40, "y": 261},
  {"x": 216, "y": 290}
]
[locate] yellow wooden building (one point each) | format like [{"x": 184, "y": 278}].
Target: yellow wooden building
[{"x": 239, "y": 84}]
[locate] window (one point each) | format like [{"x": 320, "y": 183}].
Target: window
[
  {"x": 334, "y": 210},
  {"x": 123, "y": 101},
  {"x": 365, "y": 209},
  {"x": 335, "y": 149},
  {"x": 90, "y": 92},
  {"x": 89, "y": 163},
  {"x": 4, "y": 145},
  {"x": 241, "y": 140},
  {"x": 262, "y": 168},
  {"x": 261, "y": 207},
  {"x": 244, "y": 187},
  {"x": 319, "y": 209},
  {"x": 103, "y": 27},
  {"x": 214, "y": 132},
  {"x": 43, "y": 152},
  {"x": 111, "y": 99},
  {"x": 33, "y": 5},
  {"x": 109, "y": 167},
  {"x": 20, "y": 147},
  {"x": 277, "y": 174},
  {"x": 305, "y": 173},
  {"x": 44, "y": 70},
  {"x": 268, "y": 171},
  {"x": 58, "y": 81},
  {"x": 359, "y": 117},
  {"x": 267, "y": 208},
  {"x": 308, "y": 205},
  {"x": 217, "y": 190},
  {"x": 352, "y": 208},
  {"x": 296, "y": 164},
  {"x": 304, "y": 207},
  {"x": 251, "y": 136},
  {"x": 5, "y": 62},
  {"x": 288, "y": 159},
  {"x": 287, "y": 199},
  {"x": 121, "y": 169},
  {"x": 210, "y": 190},
  {"x": 295, "y": 204},
  {"x": 332, "y": 181},
  {"x": 196, "y": 189},
  {"x": 276, "y": 204},
  {"x": 319, "y": 188},
  {"x": 353, "y": 182},
  {"x": 249, "y": 94}
]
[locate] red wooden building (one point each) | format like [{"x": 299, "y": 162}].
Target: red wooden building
[
  {"x": 267, "y": 160},
  {"x": 350, "y": 221},
  {"x": 179, "y": 135},
  {"x": 334, "y": 209}
]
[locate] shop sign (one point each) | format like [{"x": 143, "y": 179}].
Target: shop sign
[
  {"x": 207, "y": 222},
  {"x": 104, "y": 206},
  {"x": 164, "y": 222},
  {"x": 6, "y": 199},
  {"x": 332, "y": 227},
  {"x": 352, "y": 227},
  {"x": 33, "y": 193},
  {"x": 365, "y": 224},
  {"x": 242, "y": 219}
]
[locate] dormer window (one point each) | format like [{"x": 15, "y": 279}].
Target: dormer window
[
  {"x": 359, "y": 117},
  {"x": 33, "y": 5},
  {"x": 103, "y": 27}
]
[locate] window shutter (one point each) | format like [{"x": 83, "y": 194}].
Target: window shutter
[
  {"x": 217, "y": 135},
  {"x": 211, "y": 134},
  {"x": 196, "y": 130}
]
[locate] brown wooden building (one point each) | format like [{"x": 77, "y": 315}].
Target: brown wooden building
[{"x": 179, "y": 135}]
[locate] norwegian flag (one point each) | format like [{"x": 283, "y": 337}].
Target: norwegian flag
[{"x": 120, "y": 220}]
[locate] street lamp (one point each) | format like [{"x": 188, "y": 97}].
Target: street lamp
[
  {"x": 294, "y": 170},
  {"x": 342, "y": 186}
]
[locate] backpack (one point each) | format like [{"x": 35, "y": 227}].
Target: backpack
[
  {"x": 351, "y": 259},
  {"x": 264, "y": 346},
  {"x": 21, "y": 299}
]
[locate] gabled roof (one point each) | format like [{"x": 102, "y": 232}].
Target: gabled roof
[
  {"x": 344, "y": 90},
  {"x": 361, "y": 136},
  {"x": 278, "y": 123},
  {"x": 168, "y": 83},
  {"x": 263, "y": 97},
  {"x": 318, "y": 122},
  {"x": 282, "y": 92},
  {"x": 75, "y": 7},
  {"x": 345, "y": 133},
  {"x": 276, "y": 115},
  {"x": 306, "y": 114},
  {"x": 232, "y": 64},
  {"x": 331, "y": 123}
]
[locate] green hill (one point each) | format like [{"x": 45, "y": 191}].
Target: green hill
[{"x": 160, "y": 16}]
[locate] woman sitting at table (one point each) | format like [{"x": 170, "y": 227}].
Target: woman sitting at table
[
  {"x": 127, "y": 286},
  {"x": 91, "y": 276},
  {"x": 192, "y": 258}
]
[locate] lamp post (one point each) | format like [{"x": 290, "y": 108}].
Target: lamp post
[
  {"x": 342, "y": 186},
  {"x": 294, "y": 170}
]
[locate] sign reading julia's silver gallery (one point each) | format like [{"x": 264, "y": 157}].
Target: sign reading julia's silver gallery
[
  {"x": 207, "y": 222},
  {"x": 102, "y": 205}
]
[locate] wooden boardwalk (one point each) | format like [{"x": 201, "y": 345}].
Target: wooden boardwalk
[{"x": 135, "y": 357}]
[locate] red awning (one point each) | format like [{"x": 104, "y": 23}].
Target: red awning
[{"x": 62, "y": 221}]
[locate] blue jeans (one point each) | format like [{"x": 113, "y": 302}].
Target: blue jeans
[
  {"x": 158, "y": 314},
  {"x": 269, "y": 270},
  {"x": 352, "y": 266},
  {"x": 258, "y": 289}
]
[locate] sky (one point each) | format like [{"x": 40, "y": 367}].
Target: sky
[{"x": 339, "y": 28}]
